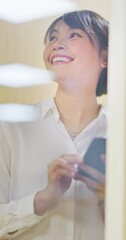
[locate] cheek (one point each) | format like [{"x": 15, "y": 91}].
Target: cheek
[
  {"x": 76, "y": 49},
  {"x": 89, "y": 56}
]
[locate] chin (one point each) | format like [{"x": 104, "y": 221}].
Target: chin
[{"x": 59, "y": 74}]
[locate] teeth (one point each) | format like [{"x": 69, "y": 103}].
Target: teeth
[{"x": 61, "y": 59}]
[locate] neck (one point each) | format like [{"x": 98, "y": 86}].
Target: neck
[{"x": 76, "y": 110}]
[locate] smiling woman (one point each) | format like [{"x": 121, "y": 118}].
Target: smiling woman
[
  {"x": 76, "y": 32},
  {"x": 42, "y": 195}
]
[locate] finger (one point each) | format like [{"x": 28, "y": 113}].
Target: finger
[
  {"x": 100, "y": 194},
  {"x": 68, "y": 165},
  {"x": 98, "y": 189},
  {"x": 59, "y": 166},
  {"x": 69, "y": 162},
  {"x": 72, "y": 158},
  {"x": 90, "y": 183},
  {"x": 93, "y": 172},
  {"x": 60, "y": 172},
  {"x": 103, "y": 157}
]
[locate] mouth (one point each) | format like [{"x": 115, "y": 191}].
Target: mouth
[{"x": 61, "y": 59}]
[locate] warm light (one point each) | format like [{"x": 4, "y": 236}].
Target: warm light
[
  {"x": 19, "y": 113},
  {"x": 17, "y": 11},
  {"x": 20, "y": 75}
]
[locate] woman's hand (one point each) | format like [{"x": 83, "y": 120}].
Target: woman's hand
[
  {"x": 97, "y": 185},
  {"x": 60, "y": 174}
]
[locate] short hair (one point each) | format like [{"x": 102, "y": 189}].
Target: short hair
[{"x": 96, "y": 28}]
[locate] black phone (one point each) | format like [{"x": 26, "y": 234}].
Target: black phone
[{"x": 93, "y": 157}]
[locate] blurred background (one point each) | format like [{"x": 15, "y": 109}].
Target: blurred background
[{"x": 23, "y": 43}]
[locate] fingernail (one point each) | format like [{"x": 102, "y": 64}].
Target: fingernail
[
  {"x": 76, "y": 166},
  {"x": 62, "y": 160}
]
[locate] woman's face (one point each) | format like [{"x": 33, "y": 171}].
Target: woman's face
[{"x": 70, "y": 55}]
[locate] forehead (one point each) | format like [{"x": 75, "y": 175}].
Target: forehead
[{"x": 59, "y": 27}]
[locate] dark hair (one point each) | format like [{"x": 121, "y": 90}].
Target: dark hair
[{"x": 96, "y": 27}]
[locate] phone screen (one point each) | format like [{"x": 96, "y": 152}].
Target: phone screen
[{"x": 93, "y": 156}]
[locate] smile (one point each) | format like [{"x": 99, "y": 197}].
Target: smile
[{"x": 61, "y": 59}]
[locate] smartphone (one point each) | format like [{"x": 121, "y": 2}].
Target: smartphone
[{"x": 93, "y": 157}]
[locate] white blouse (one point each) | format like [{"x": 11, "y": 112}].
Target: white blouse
[{"x": 26, "y": 149}]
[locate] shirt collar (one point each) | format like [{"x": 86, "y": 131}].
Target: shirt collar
[{"x": 48, "y": 107}]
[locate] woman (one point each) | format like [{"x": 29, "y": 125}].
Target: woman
[{"x": 40, "y": 183}]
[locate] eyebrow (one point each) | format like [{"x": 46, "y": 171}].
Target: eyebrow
[
  {"x": 53, "y": 31},
  {"x": 57, "y": 31}
]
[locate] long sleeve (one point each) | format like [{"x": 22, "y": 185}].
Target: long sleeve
[
  {"x": 15, "y": 216},
  {"x": 26, "y": 150}
]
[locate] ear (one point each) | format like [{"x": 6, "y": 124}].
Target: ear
[{"x": 104, "y": 58}]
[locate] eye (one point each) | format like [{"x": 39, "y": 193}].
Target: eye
[
  {"x": 52, "y": 39},
  {"x": 74, "y": 35}
]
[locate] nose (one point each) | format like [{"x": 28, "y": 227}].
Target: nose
[{"x": 59, "y": 46}]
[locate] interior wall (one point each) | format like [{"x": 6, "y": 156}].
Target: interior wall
[{"x": 23, "y": 43}]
